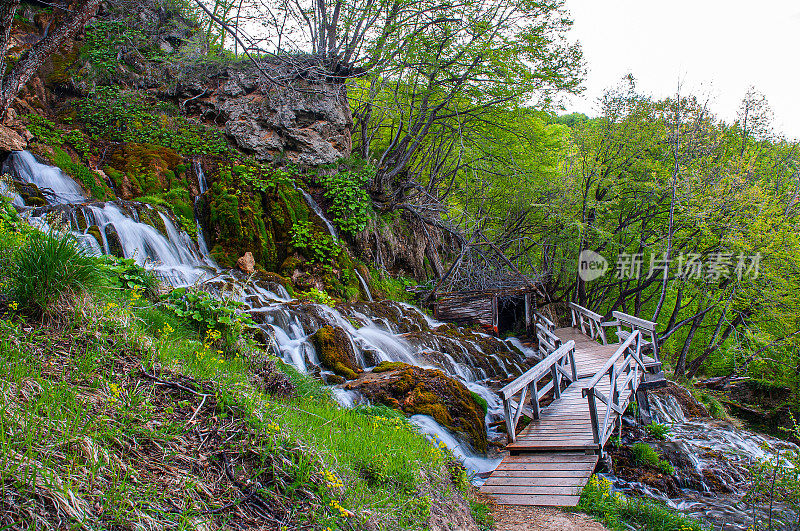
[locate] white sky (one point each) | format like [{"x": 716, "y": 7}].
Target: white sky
[{"x": 716, "y": 49}]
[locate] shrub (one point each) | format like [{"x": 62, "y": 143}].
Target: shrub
[
  {"x": 209, "y": 313},
  {"x": 657, "y": 431},
  {"x": 351, "y": 207},
  {"x": 621, "y": 513},
  {"x": 50, "y": 267},
  {"x": 127, "y": 274},
  {"x": 319, "y": 296}
]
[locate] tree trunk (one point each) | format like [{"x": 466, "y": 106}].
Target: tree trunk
[{"x": 29, "y": 63}]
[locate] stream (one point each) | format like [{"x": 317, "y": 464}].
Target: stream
[
  {"x": 710, "y": 456},
  {"x": 711, "y": 459},
  {"x": 379, "y": 331}
]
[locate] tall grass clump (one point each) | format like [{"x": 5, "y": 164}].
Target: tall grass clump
[{"x": 51, "y": 270}]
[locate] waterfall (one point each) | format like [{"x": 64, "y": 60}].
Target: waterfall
[
  {"x": 318, "y": 211},
  {"x": 56, "y": 187},
  {"x": 377, "y": 331},
  {"x": 364, "y": 285}
]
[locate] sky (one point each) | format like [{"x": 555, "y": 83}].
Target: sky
[{"x": 715, "y": 49}]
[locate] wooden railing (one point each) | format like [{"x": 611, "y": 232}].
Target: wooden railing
[
  {"x": 588, "y": 322},
  {"x": 559, "y": 365},
  {"x": 548, "y": 341},
  {"x": 624, "y": 369},
  {"x": 544, "y": 321},
  {"x": 649, "y": 339}
]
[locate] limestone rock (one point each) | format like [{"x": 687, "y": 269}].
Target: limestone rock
[
  {"x": 305, "y": 120},
  {"x": 10, "y": 140},
  {"x": 418, "y": 391},
  {"x": 246, "y": 263}
]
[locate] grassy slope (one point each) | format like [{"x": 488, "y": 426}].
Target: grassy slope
[{"x": 116, "y": 413}]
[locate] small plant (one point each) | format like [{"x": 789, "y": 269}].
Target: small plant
[
  {"x": 208, "y": 313},
  {"x": 127, "y": 274},
  {"x": 316, "y": 246},
  {"x": 619, "y": 512},
  {"x": 645, "y": 455},
  {"x": 50, "y": 269},
  {"x": 658, "y": 431},
  {"x": 319, "y": 296}
]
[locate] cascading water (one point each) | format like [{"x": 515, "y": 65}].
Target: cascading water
[
  {"x": 56, "y": 187},
  {"x": 711, "y": 459},
  {"x": 318, "y": 211},
  {"x": 408, "y": 335}
]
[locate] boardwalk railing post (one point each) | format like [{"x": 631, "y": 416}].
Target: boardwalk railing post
[
  {"x": 534, "y": 392},
  {"x": 556, "y": 381},
  {"x": 510, "y": 428},
  {"x": 593, "y": 417}
]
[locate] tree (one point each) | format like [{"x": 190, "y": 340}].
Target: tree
[{"x": 67, "y": 24}]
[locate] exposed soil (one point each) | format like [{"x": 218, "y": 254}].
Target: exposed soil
[{"x": 523, "y": 518}]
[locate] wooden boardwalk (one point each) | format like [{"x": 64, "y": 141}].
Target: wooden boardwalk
[{"x": 553, "y": 457}]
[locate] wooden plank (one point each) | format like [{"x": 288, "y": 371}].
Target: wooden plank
[
  {"x": 586, "y": 468},
  {"x": 520, "y": 489},
  {"x": 542, "y": 501},
  {"x": 536, "y": 481},
  {"x": 550, "y": 458},
  {"x": 560, "y": 473}
]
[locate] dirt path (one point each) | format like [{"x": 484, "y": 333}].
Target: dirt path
[{"x": 519, "y": 518}]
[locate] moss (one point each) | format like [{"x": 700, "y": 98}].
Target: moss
[
  {"x": 94, "y": 231},
  {"x": 385, "y": 366},
  {"x": 89, "y": 180},
  {"x": 418, "y": 391},
  {"x": 335, "y": 351}
]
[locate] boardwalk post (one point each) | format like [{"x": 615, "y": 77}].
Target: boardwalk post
[
  {"x": 556, "y": 381},
  {"x": 510, "y": 428},
  {"x": 534, "y": 392},
  {"x": 593, "y": 417}
]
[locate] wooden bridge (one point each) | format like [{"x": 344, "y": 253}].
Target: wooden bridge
[{"x": 590, "y": 384}]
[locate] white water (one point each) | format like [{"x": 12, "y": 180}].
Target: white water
[
  {"x": 318, "y": 211},
  {"x": 179, "y": 261},
  {"x": 57, "y": 188},
  {"x": 708, "y": 452},
  {"x": 364, "y": 285}
]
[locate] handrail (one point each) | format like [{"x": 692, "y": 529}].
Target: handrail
[
  {"x": 547, "y": 340},
  {"x": 555, "y": 365},
  {"x": 550, "y": 325},
  {"x": 629, "y": 353},
  {"x": 647, "y": 328},
  {"x": 589, "y": 322}
]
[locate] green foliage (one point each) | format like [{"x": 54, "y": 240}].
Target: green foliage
[
  {"x": 714, "y": 406},
  {"x": 48, "y": 133},
  {"x": 84, "y": 175},
  {"x": 104, "y": 39},
  {"x": 657, "y": 431},
  {"x": 644, "y": 454},
  {"x": 207, "y": 312},
  {"x": 128, "y": 275},
  {"x": 390, "y": 287},
  {"x": 319, "y": 296},
  {"x": 316, "y": 246},
  {"x": 126, "y": 116},
  {"x": 351, "y": 206},
  {"x": 620, "y": 513},
  {"x": 51, "y": 269}
]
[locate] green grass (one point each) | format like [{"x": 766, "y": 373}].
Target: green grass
[
  {"x": 76, "y": 403},
  {"x": 657, "y": 431},
  {"x": 49, "y": 270},
  {"x": 622, "y": 513},
  {"x": 645, "y": 455}
]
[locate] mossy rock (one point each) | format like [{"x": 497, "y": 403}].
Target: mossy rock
[
  {"x": 94, "y": 231},
  {"x": 114, "y": 243},
  {"x": 418, "y": 391},
  {"x": 335, "y": 351}
]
